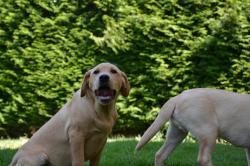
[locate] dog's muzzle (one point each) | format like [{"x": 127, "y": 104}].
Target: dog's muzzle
[{"x": 104, "y": 93}]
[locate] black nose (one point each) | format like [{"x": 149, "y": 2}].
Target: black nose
[{"x": 104, "y": 78}]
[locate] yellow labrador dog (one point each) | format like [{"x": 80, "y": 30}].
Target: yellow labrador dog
[
  {"x": 207, "y": 114},
  {"x": 79, "y": 131}
]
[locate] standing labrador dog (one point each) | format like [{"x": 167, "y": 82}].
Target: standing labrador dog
[
  {"x": 79, "y": 131},
  {"x": 207, "y": 114}
]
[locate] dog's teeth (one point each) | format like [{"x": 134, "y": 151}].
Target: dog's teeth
[{"x": 105, "y": 97}]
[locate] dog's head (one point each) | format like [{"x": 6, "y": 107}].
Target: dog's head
[{"x": 105, "y": 82}]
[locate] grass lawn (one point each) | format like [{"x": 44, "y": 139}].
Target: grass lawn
[{"x": 120, "y": 152}]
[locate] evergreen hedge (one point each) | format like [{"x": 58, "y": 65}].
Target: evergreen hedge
[{"x": 164, "y": 46}]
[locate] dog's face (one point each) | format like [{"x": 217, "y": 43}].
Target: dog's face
[{"x": 105, "y": 82}]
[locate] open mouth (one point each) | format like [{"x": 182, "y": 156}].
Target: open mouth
[{"x": 105, "y": 94}]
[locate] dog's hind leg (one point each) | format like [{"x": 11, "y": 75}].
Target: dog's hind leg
[
  {"x": 206, "y": 146},
  {"x": 33, "y": 160},
  {"x": 173, "y": 138},
  {"x": 248, "y": 156}
]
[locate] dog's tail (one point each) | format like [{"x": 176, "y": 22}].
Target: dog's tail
[{"x": 163, "y": 116}]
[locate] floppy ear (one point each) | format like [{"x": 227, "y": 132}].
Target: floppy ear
[
  {"x": 85, "y": 84},
  {"x": 125, "y": 85}
]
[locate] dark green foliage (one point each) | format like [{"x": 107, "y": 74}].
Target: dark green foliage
[{"x": 164, "y": 46}]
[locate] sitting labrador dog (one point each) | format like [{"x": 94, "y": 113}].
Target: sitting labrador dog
[
  {"x": 79, "y": 131},
  {"x": 207, "y": 114}
]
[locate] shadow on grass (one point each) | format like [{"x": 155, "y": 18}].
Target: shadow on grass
[{"x": 121, "y": 152}]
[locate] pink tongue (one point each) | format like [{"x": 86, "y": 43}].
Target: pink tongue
[{"x": 104, "y": 93}]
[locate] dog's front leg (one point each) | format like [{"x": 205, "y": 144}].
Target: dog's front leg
[
  {"x": 76, "y": 139},
  {"x": 95, "y": 160}
]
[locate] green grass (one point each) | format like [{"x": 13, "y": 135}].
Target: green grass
[{"x": 120, "y": 151}]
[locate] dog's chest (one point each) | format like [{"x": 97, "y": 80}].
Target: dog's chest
[
  {"x": 103, "y": 126},
  {"x": 94, "y": 145},
  {"x": 96, "y": 138}
]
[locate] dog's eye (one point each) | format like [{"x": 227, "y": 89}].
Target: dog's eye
[
  {"x": 113, "y": 71},
  {"x": 96, "y": 72}
]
